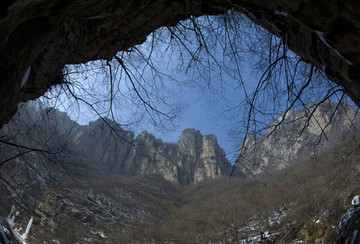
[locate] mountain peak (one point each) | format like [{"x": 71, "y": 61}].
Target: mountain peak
[
  {"x": 193, "y": 159},
  {"x": 104, "y": 148}
]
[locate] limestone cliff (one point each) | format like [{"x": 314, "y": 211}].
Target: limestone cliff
[
  {"x": 39, "y": 37},
  {"x": 301, "y": 134},
  {"x": 115, "y": 151},
  {"x": 62, "y": 147}
]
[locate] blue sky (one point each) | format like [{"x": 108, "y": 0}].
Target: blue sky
[
  {"x": 201, "y": 109},
  {"x": 200, "y": 95},
  {"x": 202, "y": 114},
  {"x": 171, "y": 81}
]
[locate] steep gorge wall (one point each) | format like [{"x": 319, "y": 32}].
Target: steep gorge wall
[
  {"x": 101, "y": 149},
  {"x": 300, "y": 136},
  {"x": 193, "y": 159},
  {"x": 39, "y": 37}
]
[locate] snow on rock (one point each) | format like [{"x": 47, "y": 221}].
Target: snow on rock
[{"x": 277, "y": 216}]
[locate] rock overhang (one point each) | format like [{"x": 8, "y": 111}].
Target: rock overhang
[{"x": 40, "y": 37}]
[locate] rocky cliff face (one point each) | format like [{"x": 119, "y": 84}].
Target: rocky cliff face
[
  {"x": 61, "y": 146},
  {"x": 115, "y": 151},
  {"x": 34, "y": 154},
  {"x": 39, "y": 37},
  {"x": 301, "y": 134}
]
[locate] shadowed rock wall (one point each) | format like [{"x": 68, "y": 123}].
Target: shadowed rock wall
[{"x": 38, "y": 37}]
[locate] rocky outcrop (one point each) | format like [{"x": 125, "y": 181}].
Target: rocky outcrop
[
  {"x": 210, "y": 161},
  {"x": 61, "y": 147},
  {"x": 39, "y": 37},
  {"x": 111, "y": 150},
  {"x": 301, "y": 134}
]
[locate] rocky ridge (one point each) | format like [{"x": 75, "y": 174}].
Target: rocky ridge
[
  {"x": 297, "y": 135},
  {"x": 80, "y": 177},
  {"x": 192, "y": 159},
  {"x": 107, "y": 206},
  {"x": 103, "y": 148}
]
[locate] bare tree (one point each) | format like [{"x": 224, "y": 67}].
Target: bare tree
[
  {"x": 35, "y": 154},
  {"x": 214, "y": 55},
  {"x": 210, "y": 54}
]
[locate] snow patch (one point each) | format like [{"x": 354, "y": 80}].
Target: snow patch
[
  {"x": 28, "y": 227},
  {"x": 11, "y": 217},
  {"x": 277, "y": 216},
  {"x": 54, "y": 241}
]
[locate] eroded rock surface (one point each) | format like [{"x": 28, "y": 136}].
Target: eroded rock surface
[
  {"x": 300, "y": 135},
  {"x": 193, "y": 159},
  {"x": 102, "y": 148}
]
